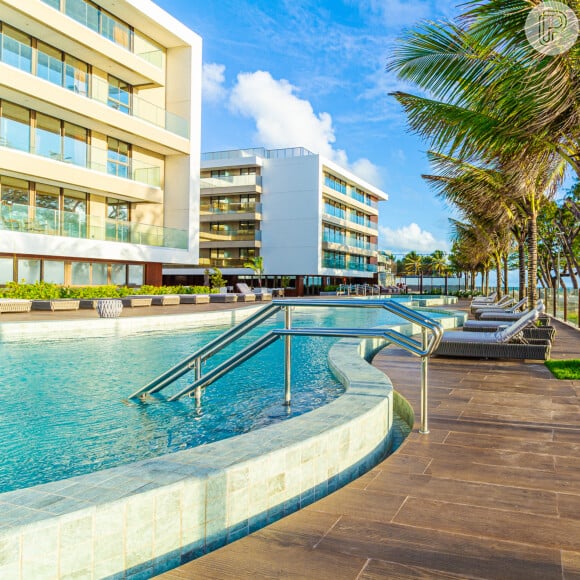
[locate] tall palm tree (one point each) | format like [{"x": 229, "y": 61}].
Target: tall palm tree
[
  {"x": 477, "y": 87},
  {"x": 439, "y": 265},
  {"x": 413, "y": 264}
]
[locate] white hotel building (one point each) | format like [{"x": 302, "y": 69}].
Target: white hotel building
[
  {"x": 309, "y": 219},
  {"x": 99, "y": 141}
]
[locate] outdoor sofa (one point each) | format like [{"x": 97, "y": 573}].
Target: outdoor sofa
[
  {"x": 56, "y": 304},
  {"x": 15, "y": 305}
]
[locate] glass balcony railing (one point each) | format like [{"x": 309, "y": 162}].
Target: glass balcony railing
[
  {"x": 229, "y": 207},
  {"x": 37, "y": 220},
  {"x": 349, "y": 191},
  {"x": 230, "y": 235},
  {"x": 114, "y": 30},
  {"x": 230, "y": 181},
  {"x": 334, "y": 212},
  {"x": 361, "y": 221},
  {"x": 79, "y": 153},
  {"x": 339, "y": 264},
  {"x": 348, "y": 241},
  {"x": 222, "y": 262},
  {"x": 64, "y": 75},
  {"x": 256, "y": 152}
]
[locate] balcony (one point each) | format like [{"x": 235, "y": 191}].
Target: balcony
[
  {"x": 57, "y": 72},
  {"x": 256, "y": 152},
  {"x": 221, "y": 208},
  {"x": 349, "y": 241},
  {"x": 230, "y": 235},
  {"x": 114, "y": 30},
  {"x": 335, "y": 264},
  {"x": 349, "y": 191},
  {"x": 35, "y": 220},
  {"x": 252, "y": 181},
  {"x": 222, "y": 262},
  {"x": 78, "y": 153}
]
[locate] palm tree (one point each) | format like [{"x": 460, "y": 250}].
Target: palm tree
[
  {"x": 438, "y": 263},
  {"x": 256, "y": 263},
  {"x": 413, "y": 264},
  {"x": 479, "y": 84}
]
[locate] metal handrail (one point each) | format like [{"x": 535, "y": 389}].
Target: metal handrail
[{"x": 422, "y": 349}]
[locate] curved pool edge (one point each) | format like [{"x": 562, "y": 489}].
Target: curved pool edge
[{"x": 153, "y": 515}]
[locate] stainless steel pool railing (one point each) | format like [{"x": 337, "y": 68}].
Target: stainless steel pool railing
[{"x": 431, "y": 333}]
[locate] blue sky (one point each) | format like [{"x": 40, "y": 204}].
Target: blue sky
[{"x": 286, "y": 73}]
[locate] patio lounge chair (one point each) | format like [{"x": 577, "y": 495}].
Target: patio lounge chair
[
  {"x": 504, "y": 302},
  {"x": 530, "y": 331},
  {"x": 510, "y": 309},
  {"x": 15, "y": 305},
  {"x": 165, "y": 300},
  {"x": 259, "y": 293},
  {"x": 223, "y": 297},
  {"x": 504, "y": 315},
  {"x": 485, "y": 299},
  {"x": 134, "y": 301},
  {"x": 508, "y": 342}
]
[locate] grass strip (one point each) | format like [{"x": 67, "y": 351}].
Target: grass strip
[{"x": 565, "y": 369}]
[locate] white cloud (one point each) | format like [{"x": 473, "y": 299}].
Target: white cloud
[
  {"x": 408, "y": 238},
  {"x": 285, "y": 120},
  {"x": 213, "y": 79}
]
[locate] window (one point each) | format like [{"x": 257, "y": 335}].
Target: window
[
  {"x": 15, "y": 191},
  {"x": 16, "y": 48},
  {"x": 117, "y": 209},
  {"x": 99, "y": 274},
  {"x": 84, "y": 13},
  {"x": 248, "y": 171},
  {"x": 76, "y": 75},
  {"x": 115, "y": 30},
  {"x": 49, "y": 64},
  {"x": 75, "y": 144},
  {"x": 47, "y": 140},
  {"x": 136, "y": 275},
  {"x": 15, "y": 127},
  {"x": 74, "y": 217},
  {"x": 80, "y": 273},
  {"x": 29, "y": 271},
  {"x": 118, "y": 158},
  {"x": 119, "y": 95},
  {"x": 53, "y": 272},
  {"x": 119, "y": 274},
  {"x": 6, "y": 270},
  {"x": 221, "y": 173}
]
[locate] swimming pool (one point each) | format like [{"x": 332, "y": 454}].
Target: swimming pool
[{"x": 64, "y": 408}]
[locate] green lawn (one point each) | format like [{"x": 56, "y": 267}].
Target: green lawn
[{"x": 565, "y": 369}]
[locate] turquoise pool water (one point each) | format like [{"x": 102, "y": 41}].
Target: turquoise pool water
[{"x": 64, "y": 408}]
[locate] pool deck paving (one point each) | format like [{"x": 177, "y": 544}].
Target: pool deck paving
[{"x": 493, "y": 491}]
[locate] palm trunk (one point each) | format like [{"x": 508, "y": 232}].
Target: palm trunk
[
  {"x": 532, "y": 259},
  {"x": 498, "y": 274},
  {"x": 506, "y": 287},
  {"x": 522, "y": 269}
]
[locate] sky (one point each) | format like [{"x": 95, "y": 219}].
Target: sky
[{"x": 311, "y": 73}]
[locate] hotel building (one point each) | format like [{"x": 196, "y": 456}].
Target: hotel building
[
  {"x": 99, "y": 141},
  {"x": 308, "y": 218}
]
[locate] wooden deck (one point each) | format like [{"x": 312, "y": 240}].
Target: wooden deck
[{"x": 492, "y": 492}]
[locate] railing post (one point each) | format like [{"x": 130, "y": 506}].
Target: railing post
[
  {"x": 565, "y": 303},
  {"x": 287, "y": 357},
  {"x": 424, "y": 429},
  {"x": 197, "y": 391}
]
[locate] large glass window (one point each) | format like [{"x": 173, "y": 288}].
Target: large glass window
[
  {"x": 29, "y": 271},
  {"x": 15, "y": 199},
  {"x": 118, "y": 158},
  {"x": 83, "y": 12},
  {"x": 115, "y": 30},
  {"x": 47, "y": 137},
  {"x": 136, "y": 275},
  {"x": 119, "y": 274},
  {"x": 16, "y": 48},
  {"x": 99, "y": 274},
  {"x": 54, "y": 271},
  {"x": 6, "y": 270},
  {"x": 75, "y": 214},
  {"x": 15, "y": 127},
  {"x": 119, "y": 95},
  {"x": 80, "y": 273},
  {"x": 75, "y": 144},
  {"x": 49, "y": 64},
  {"x": 76, "y": 75}
]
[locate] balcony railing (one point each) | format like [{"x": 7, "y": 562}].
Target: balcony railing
[
  {"x": 62, "y": 74},
  {"x": 37, "y": 220},
  {"x": 118, "y": 32},
  {"x": 230, "y": 207},
  {"x": 79, "y": 153},
  {"x": 349, "y": 191},
  {"x": 344, "y": 265},
  {"x": 230, "y": 235},
  {"x": 256, "y": 152},
  {"x": 348, "y": 241},
  {"x": 231, "y": 181},
  {"x": 222, "y": 262}
]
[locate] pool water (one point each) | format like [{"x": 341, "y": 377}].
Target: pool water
[{"x": 64, "y": 409}]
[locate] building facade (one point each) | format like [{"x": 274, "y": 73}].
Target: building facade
[
  {"x": 99, "y": 141},
  {"x": 310, "y": 220}
]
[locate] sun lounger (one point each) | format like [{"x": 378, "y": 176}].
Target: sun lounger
[
  {"x": 510, "y": 309},
  {"x": 56, "y": 304},
  {"x": 485, "y": 299},
  {"x": 502, "y": 314},
  {"x": 530, "y": 331},
  {"x": 261, "y": 294},
  {"x": 194, "y": 298},
  {"x": 165, "y": 300},
  {"x": 15, "y": 305},
  {"x": 505, "y": 302},
  {"x": 508, "y": 342}
]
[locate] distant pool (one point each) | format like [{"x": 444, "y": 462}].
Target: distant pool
[{"x": 64, "y": 408}]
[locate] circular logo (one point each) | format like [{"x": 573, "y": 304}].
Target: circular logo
[{"x": 552, "y": 27}]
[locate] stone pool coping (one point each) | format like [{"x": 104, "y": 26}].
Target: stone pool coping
[{"x": 152, "y": 515}]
